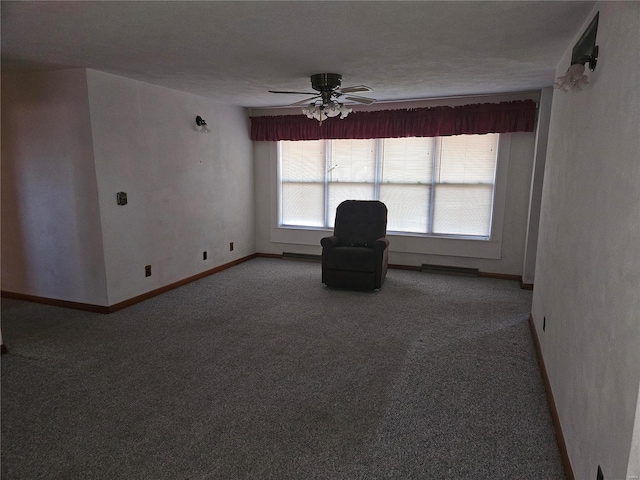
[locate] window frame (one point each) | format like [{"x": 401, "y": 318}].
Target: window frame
[
  {"x": 409, "y": 243},
  {"x": 375, "y": 155}
]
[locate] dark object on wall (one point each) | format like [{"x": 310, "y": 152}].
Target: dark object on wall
[
  {"x": 121, "y": 198},
  {"x": 586, "y": 50},
  {"x": 356, "y": 255},
  {"x": 202, "y": 125}
]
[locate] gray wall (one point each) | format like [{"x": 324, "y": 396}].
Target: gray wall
[
  {"x": 51, "y": 231},
  {"x": 588, "y": 261}
]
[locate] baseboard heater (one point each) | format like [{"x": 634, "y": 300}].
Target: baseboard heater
[
  {"x": 301, "y": 256},
  {"x": 445, "y": 270}
]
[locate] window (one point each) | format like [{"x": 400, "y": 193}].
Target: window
[{"x": 434, "y": 186}]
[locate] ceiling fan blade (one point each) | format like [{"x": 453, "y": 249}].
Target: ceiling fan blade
[
  {"x": 295, "y": 93},
  {"x": 356, "y": 88},
  {"x": 363, "y": 100},
  {"x": 304, "y": 102}
]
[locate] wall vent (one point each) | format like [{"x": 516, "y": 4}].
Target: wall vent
[
  {"x": 301, "y": 256},
  {"x": 445, "y": 270}
]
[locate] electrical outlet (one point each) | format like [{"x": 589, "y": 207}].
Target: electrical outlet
[
  {"x": 600, "y": 475},
  {"x": 147, "y": 270},
  {"x": 204, "y": 255},
  {"x": 544, "y": 323},
  {"x": 231, "y": 246}
]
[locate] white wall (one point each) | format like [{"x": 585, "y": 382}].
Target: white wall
[
  {"x": 51, "y": 232},
  {"x": 71, "y": 140},
  {"x": 537, "y": 181},
  {"x": 188, "y": 192},
  {"x": 588, "y": 262},
  {"x": 504, "y": 255}
]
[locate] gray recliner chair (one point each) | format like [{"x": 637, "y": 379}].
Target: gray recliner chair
[{"x": 355, "y": 256}]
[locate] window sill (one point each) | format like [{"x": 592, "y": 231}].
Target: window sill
[{"x": 402, "y": 243}]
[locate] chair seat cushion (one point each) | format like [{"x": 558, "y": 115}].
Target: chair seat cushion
[{"x": 361, "y": 259}]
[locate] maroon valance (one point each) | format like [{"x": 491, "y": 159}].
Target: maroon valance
[{"x": 516, "y": 116}]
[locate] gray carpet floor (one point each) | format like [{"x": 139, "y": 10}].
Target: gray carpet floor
[{"x": 261, "y": 372}]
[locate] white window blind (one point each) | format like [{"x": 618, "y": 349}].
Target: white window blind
[
  {"x": 433, "y": 186},
  {"x": 352, "y": 172},
  {"x": 465, "y": 172},
  {"x": 302, "y": 179},
  {"x": 405, "y": 187}
]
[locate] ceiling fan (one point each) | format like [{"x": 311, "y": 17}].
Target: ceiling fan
[{"x": 328, "y": 87}]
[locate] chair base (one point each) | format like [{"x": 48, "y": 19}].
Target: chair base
[{"x": 351, "y": 280}]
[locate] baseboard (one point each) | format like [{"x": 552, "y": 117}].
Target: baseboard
[
  {"x": 474, "y": 273},
  {"x": 87, "y": 307},
  {"x": 506, "y": 276},
  {"x": 501, "y": 276},
  {"x": 127, "y": 303},
  {"x": 268, "y": 255},
  {"x": 526, "y": 286},
  {"x": 180, "y": 283},
  {"x": 562, "y": 446}
]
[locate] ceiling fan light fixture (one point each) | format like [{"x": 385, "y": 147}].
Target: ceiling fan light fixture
[
  {"x": 312, "y": 111},
  {"x": 332, "y": 110},
  {"x": 321, "y": 112},
  {"x": 325, "y": 104},
  {"x": 574, "y": 79},
  {"x": 344, "y": 111}
]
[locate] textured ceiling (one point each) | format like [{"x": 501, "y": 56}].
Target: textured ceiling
[{"x": 236, "y": 51}]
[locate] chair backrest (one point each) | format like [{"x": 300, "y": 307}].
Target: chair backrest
[{"x": 360, "y": 222}]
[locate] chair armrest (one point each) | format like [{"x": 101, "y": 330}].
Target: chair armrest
[
  {"x": 329, "y": 242},
  {"x": 381, "y": 244}
]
